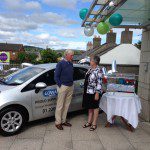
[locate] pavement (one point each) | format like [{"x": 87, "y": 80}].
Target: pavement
[{"x": 42, "y": 135}]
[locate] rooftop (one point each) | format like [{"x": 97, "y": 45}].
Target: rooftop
[
  {"x": 136, "y": 13},
  {"x": 9, "y": 46}
]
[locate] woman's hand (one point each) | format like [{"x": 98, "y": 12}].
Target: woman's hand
[{"x": 96, "y": 96}]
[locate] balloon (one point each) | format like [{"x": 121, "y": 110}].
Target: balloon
[
  {"x": 83, "y": 13},
  {"x": 115, "y": 19},
  {"x": 88, "y": 30},
  {"x": 110, "y": 26},
  {"x": 102, "y": 28}
]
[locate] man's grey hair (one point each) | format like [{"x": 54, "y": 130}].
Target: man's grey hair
[{"x": 68, "y": 51}]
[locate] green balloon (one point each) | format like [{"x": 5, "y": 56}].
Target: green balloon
[
  {"x": 102, "y": 28},
  {"x": 110, "y": 26},
  {"x": 115, "y": 19},
  {"x": 83, "y": 13}
]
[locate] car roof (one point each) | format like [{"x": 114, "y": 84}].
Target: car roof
[{"x": 48, "y": 66}]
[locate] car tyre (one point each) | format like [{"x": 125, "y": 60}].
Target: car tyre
[{"x": 12, "y": 121}]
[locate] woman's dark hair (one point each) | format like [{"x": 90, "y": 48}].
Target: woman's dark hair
[{"x": 96, "y": 59}]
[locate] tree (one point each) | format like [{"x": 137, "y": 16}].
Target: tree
[
  {"x": 49, "y": 56},
  {"x": 31, "y": 57},
  {"x": 21, "y": 57}
]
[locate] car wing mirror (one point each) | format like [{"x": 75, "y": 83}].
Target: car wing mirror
[{"x": 39, "y": 86}]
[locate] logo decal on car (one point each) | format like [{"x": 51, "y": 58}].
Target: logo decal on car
[{"x": 50, "y": 92}]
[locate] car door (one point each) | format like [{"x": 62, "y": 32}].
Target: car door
[
  {"x": 79, "y": 77},
  {"x": 44, "y": 102}
]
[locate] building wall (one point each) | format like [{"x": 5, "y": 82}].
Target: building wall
[
  {"x": 14, "y": 54},
  {"x": 144, "y": 76}
]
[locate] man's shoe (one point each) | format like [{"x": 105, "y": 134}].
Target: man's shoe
[
  {"x": 67, "y": 124},
  {"x": 59, "y": 127}
]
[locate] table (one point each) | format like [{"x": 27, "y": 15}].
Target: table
[{"x": 125, "y": 105}]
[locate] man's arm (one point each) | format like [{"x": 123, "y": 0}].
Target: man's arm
[{"x": 58, "y": 74}]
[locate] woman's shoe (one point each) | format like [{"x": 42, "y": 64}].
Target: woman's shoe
[
  {"x": 93, "y": 127},
  {"x": 86, "y": 125}
]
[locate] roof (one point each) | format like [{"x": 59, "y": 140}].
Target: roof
[
  {"x": 8, "y": 47},
  {"x": 136, "y": 13},
  {"x": 98, "y": 50},
  {"x": 126, "y": 54}
]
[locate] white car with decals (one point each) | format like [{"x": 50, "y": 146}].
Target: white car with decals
[{"x": 30, "y": 94}]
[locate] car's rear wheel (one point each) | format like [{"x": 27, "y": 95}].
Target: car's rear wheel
[{"x": 11, "y": 121}]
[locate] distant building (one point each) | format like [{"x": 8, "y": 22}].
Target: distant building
[
  {"x": 126, "y": 55},
  {"x": 14, "y": 49},
  {"x": 89, "y": 46}
]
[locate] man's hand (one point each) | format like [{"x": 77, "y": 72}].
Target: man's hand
[{"x": 97, "y": 96}]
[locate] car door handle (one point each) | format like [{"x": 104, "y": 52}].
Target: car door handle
[{"x": 82, "y": 85}]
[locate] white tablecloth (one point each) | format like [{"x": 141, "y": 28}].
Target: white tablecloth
[{"x": 126, "y": 105}]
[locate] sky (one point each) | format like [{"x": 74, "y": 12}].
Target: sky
[{"x": 47, "y": 23}]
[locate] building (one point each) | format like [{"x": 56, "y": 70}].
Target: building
[
  {"x": 122, "y": 53},
  {"x": 89, "y": 46},
  {"x": 136, "y": 15},
  {"x": 14, "y": 49},
  {"x": 127, "y": 57}
]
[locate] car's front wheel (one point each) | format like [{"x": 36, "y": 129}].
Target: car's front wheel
[{"x": 11, "y": 121}]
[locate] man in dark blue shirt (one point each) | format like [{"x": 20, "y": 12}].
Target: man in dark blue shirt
[{"x": 64, "y": 79}]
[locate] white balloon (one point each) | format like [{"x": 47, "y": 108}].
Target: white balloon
[
  {"x": 88, "y": 30},
  {"x": 111, "y": 4}
]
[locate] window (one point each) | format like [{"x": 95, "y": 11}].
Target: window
[
  {"x": 47, "y": 78},
  {"x": 79, "y": 73},
  {"x": 22, "y": 76}
]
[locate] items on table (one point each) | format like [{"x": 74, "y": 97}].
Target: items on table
[{"x": 118, "y": 82}]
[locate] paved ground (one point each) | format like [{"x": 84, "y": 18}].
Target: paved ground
[{"x": 42, "y": 135}]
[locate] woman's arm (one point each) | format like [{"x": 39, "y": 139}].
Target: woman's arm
[{"x": 99, "y": 82}]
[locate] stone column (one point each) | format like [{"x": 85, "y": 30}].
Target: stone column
[
  {"x": 144, "y": 75},
  {"x": 126, "y": 36},
  {"x": 111, "y": 37}
]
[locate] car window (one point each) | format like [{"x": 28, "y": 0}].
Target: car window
[
  {"x": 47, "y": 78},
  {"x": 22, "y": 76},
  {"x": 79, "y": 73}
]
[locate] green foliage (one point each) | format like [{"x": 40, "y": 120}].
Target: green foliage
[
  {"x": 25, "y": 57},
  {"x": 21, "y": 57},
  {"x": 31, "y": 57},
  {"x": 49, "y": 56}
]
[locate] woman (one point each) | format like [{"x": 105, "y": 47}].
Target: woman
[{"x": 92, "y": 92}]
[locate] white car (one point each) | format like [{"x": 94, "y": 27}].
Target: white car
[{"x": 30, "y": 94}]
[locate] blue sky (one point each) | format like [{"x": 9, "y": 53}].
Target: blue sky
[{"x": 47, "y": 23}]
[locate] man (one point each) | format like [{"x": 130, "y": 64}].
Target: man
[{"x": 64, "y": 79}]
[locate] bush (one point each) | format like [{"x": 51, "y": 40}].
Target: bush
[{"x": 49, "y": 56}]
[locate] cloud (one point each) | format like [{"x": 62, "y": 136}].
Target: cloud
[
  {"x": 68, "y": 32},
  {"x": 21, "y": 5},
  {"x": 67, "y": 45},
  {"x": 13, "y": 24},
  {"x": 52, "y": 18},
  {"x": 69, "y": 4}
]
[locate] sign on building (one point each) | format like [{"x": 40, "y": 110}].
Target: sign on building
[{"x": 4, "y": 58}]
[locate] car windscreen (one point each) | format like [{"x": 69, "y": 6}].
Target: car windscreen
[{"x": 22, "y": 76}]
